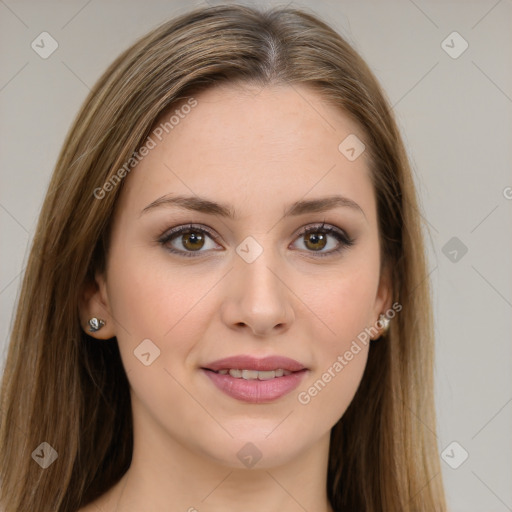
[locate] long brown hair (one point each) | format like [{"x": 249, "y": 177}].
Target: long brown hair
[{"x": 62, "y": 387}]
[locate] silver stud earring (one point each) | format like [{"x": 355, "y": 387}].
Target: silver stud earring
[
  {"x": 95, "y": 324},
  {"x": 384, "y": 321}
]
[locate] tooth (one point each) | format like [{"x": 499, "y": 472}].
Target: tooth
[
  {"x": 249, "y": 374},
  {"x": 266, "y": 375},
  {"x": 255, "y": 374}
]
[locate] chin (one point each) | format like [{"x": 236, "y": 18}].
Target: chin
[{"x": 258, "y": 445}]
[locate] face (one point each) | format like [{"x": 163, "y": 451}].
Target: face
[{"x": 254, "y": 266}]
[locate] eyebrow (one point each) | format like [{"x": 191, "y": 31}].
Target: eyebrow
[{"x": 203, "y": 205}]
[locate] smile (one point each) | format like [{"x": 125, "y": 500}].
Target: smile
[
  {"x": 255, "y": 380},
  {"x": 254, "y": 374}
]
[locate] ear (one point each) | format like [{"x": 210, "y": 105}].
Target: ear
[
  {"x": 384, "y": 297},
  {"x": 94, "y": 303}
]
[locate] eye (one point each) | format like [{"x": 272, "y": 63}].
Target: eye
[
  {"x": 316, "y": 238},
  {"x": 187, "y": 240}
]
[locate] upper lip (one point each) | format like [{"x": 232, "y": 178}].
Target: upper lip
[{"x": 247, "y": 362}]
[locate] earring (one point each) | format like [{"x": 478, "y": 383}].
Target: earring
[
  {"x": 95, "y": 324},
  {"x": 384, "y": 321}
]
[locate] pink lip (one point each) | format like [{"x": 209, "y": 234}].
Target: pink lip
[
  {"x": 245, "y": 362},
  {"x": 256, "y": 391}
]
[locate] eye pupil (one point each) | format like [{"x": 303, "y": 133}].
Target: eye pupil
[
  {"x": 316, "y": 238},
  {"x": 193, "y": 238}
]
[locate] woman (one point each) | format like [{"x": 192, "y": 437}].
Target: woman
[{"x": 226, "y": 300}]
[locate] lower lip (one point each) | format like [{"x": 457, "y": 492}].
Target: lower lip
[{"x": 256, "y": 391}]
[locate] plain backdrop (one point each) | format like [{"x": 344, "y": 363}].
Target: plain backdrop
[{"x": 454, "y": 108}]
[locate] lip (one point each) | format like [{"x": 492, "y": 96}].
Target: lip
[
  {"x": 256, "y": 391},
  {"x": 247, "y": 362}
]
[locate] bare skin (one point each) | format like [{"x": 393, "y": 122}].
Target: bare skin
[{"x": 258, "y": 151}]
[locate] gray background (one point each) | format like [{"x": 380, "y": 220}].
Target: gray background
[{"x": 456, "y": 118}]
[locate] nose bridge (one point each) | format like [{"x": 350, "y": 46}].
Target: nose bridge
[
  {"x": 256, "y": 268},
  {"x": 258, "y": 296}
]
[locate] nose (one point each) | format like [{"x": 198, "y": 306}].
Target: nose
[{"x": 257, "y": 297}]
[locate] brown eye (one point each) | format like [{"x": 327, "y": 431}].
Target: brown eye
[
  {"x": 187, "y": 240},
  {"x": 192, "y": 241},
  {"x": 315, "y": 241},
  {"x": 317, "y": 238}
]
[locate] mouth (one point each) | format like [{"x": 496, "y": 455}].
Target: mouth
[
  {"x": 254, "y": 380},
  {"x": 254, "y": 374}
]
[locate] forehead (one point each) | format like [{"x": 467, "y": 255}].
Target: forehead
[
  {"x": 248, "y": 117},
  {"x": 239, "y": 142}
]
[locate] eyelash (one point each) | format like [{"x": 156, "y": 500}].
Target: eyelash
[{"x": 344, "y": 240}]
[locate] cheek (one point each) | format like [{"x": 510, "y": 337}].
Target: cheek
[
  {"x": 344, "y": 304},
  {"x": 151, "y": 299},
  {"x": 144, "y": 297},
  {"x": 328, "y": 394},
  {"x": 149, "y": 302},
  {"x": 340, "y": 357}
]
